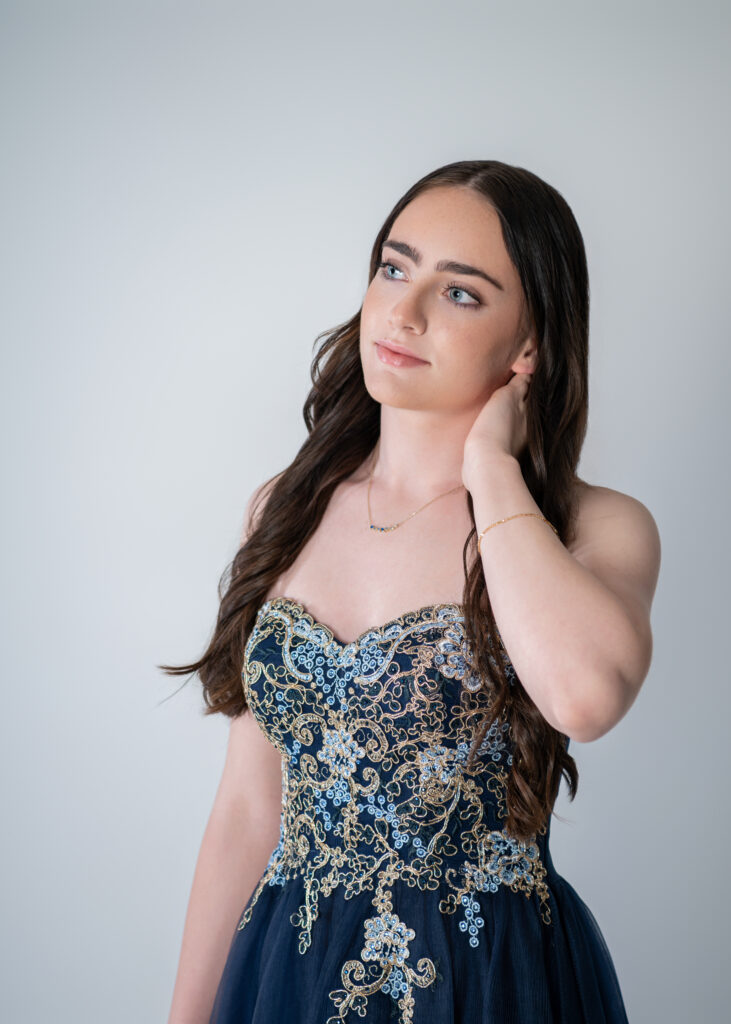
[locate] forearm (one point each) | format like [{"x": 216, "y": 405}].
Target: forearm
[
  {"x": 232, "y": 857},
  {"x": 560, "y": 625}
]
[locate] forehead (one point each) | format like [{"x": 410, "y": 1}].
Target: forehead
[{"x": 454, "y": 222}]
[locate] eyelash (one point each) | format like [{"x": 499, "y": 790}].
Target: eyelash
[{"x": 452, "y": 284}]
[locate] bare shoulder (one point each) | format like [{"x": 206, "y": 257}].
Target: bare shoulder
[
  {"x": 255, "y": 505},
  {"x": 617, "y": 537},
  {"x": 597, "y": 503}
]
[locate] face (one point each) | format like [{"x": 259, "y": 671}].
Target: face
[{"x": 468, "y": 332}]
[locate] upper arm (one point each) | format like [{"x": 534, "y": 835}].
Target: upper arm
[
  {"x": 251, "y": 782},
  {"x": 617, "y": 539},
  {"x": 252, "y": 774}
]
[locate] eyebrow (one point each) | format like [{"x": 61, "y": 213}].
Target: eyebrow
[{"x": 458, "y": 268}]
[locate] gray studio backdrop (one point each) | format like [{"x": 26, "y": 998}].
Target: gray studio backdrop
[{"x": 190, "y": 193}]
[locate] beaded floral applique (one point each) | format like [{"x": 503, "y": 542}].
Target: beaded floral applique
[{"x": 374, "y": 737}]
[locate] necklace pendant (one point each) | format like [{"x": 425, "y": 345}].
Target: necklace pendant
[{"x": 388, "y": 529}]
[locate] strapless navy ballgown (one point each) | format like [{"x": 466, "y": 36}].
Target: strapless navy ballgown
[{"x": 394, "y": 894}]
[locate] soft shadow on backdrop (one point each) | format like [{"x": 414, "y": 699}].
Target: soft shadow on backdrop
[{"x": 189, "y": 197}]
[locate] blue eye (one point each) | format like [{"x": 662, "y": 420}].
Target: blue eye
[
  {"x": 452, "y": 286},
  {"x": 458, "y": 288},
  {"x": 385, "y": 264}
]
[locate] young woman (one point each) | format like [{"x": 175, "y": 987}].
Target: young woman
[{"x": 426, "y": 606}]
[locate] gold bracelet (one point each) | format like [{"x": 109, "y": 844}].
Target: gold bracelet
[{"x": 516, "y": 516}]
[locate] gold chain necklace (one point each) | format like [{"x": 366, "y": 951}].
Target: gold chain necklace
[{"x": 386, "y": 529}]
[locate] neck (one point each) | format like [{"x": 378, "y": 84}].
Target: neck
[{"x": 419, "y": 454}]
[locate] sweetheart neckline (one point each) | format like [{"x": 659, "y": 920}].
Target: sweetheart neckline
[{"x": 378, "y": 629}]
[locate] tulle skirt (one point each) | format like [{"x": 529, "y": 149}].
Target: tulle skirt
[{"x": 416, "y": 964}]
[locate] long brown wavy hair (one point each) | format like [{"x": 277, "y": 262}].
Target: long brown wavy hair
[{"x": 545, "y": 245}]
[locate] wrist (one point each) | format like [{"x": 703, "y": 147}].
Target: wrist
[{"x": 484, "y": 463}]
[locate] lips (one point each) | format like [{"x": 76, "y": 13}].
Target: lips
[{"x": 401, "y": 349}]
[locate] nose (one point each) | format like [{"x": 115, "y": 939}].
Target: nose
[{"x": 408, "y": 312}]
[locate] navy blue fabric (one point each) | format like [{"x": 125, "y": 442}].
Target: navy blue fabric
[{"x": 394, "y": 894}]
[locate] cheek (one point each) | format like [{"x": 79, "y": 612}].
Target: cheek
[
  {"x": 470, "y": 351},
  {"x": 368, "y": 306},
  {"x": 471, "y": 365}
]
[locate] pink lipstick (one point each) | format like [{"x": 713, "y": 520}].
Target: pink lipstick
[{"x": 397, "y": 355}]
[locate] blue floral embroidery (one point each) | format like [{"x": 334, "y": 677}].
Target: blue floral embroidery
[
  {"x": 387, "y": 940},
  {"x": 495, "y": 743},
  {"x": 340, "y": 751},
  {"x": 376, "y": 791},
  {"x": 453, "y": 659},
  {"x": 471, "y": 922}
]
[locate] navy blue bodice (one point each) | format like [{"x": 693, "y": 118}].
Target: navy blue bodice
[
  {"x": 374, "y": 736},
  {"x": 394, "y": 893}
]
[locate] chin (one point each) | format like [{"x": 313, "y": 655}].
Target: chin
[{"x": 387, "y": 390}]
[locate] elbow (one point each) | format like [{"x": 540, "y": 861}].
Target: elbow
[
  {"x": 585, "y": 731},
  {"x": 592, "y": 715},
  {"x": 597, "y": 700}
]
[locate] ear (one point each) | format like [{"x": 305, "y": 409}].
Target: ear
[{"x": 527, "y": 355}]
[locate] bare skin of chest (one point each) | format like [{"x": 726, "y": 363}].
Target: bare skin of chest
[{"x": 350, "y": 577}]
